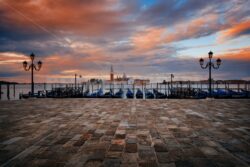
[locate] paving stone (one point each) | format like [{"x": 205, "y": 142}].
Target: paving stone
[
  {"x": 112, "y": 163},
  {"x": 120, "y": 134},
  {"x": 128, "y": 158},
  {"x": 144, "y": 141},
  {"x": 93, "y": 163},
  {"x": 131, "y": 140},
  {"x": 146, "y": 154},
  {"x": 208, "y": 150},
  {"x": 203, "y": 162},
  {"x": 79, "y": 143},
  {"x": 97, "y": 156},
  {"x": 110, "y": 132},
  {"x": 167, "y": 165},
  {"x": 131, "y": 148},
  {"x": 114, "y": 154},
  {"x": 129, "y": 165},
  {"x": 62, "y": 141},
  {"x": 185, "y": 163},
  {"x": 117, "y": 145},
  {"x": 12, "y": 140},
  {"x": 160, "y": 147},
  {"x": 148, "y": 164},
  {"x": 171, "y": 156}
]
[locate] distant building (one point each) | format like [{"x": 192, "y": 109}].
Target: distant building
[
  {"x": 124, "y": 79},
  {"x": 141, "y": 81},
  {"x": 111, "y": 74}
]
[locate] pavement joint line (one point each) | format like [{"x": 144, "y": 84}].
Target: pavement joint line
[{"x": 27, "y": 151}]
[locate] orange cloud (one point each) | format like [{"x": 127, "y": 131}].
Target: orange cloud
[
  {"x": 148, "y": 39},
  {"x": 192, "y": 29},
  {"x": 235, "y": 30},
  {"x": 88, "y": 17},
  {"x": 10, "y": 58},
  {"x": 242, "y": 54},
  {"x": 153, "y": 37}
]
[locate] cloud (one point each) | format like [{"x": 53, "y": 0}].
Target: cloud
[
  {"x": 239, "y": 29},
  {"x": 137, "y": 37},
  {"x": 242, "y": 54},
  {"x": 86, "y": 17},
  {"x": 154, "y": 37},
  {"x": 148, "y": 39}
]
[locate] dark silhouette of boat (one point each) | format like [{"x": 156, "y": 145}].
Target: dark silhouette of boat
[
  {"x": 139, "y": 94},
  {"x": 97, "y": 94},
  {"x": 229, "y": 93},
  {"x": 130, "y": 94},
  {"x": 119, "y": 94},
  {"x": 221, "y": 93},
  {"x": 86, "y": 93},
  {"x": 159, "y": 95},
  {"x": 109, "y": 94},
  {"x": 148, "y": 94},
  {"x": 187, "y": 93}
]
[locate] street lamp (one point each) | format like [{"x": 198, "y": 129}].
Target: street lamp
[
  {"x": 210, "y": 64},
  {"x": 32, "y": 66},
  {"x": 80, "y": 76}
]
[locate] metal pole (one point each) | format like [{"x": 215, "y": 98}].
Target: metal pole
[
  {"x": 210, "y": 79},
  {"x": 32, "y": 78}
]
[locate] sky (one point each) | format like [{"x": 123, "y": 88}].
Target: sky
[{"x": 142, "y": 38}]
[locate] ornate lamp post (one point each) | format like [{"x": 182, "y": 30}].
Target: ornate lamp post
[
  {"x": 80, "y": 76},
  {"x": 210, "y": 65},
  {"x": 32, "y": 66}
]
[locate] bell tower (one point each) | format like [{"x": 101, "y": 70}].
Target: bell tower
[{"x": 111, "y": 73}]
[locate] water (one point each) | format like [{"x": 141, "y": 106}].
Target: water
[{"x": 16, "y": 90}]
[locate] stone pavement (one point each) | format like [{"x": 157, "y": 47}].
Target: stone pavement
[{"x": 117, "y": 132}]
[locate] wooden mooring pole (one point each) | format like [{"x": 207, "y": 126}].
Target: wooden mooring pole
[
  {"x": 8, "y": 91},
  {"x": 14, "y": 91},
  {"x": 0, "y": 91}
]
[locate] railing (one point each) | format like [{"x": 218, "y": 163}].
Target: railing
[{"x": 13, "y": 91}]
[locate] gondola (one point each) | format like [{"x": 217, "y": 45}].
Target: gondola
[
  {"x": 97, "y": 94},
  {"x": 130, "y": 94},
  {"x": 221, "y": 93},
  {"x": 159, "y": 95},
  {"x": 148, "y": 94},
  {"x": 139, "y": 94},
  {"x": 109, "y": 94},
  {"x": 119, "y": 94},
  {"x": 239, "y": 94}
]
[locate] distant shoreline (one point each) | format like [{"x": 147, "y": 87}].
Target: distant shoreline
[{"x": 181, "y": 82}]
